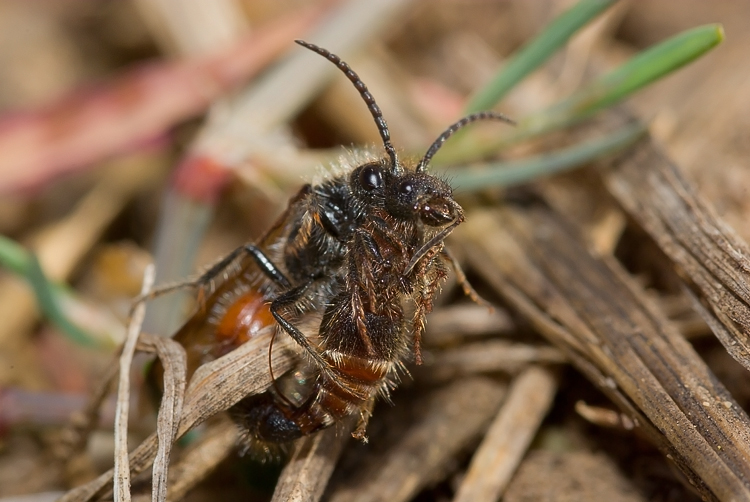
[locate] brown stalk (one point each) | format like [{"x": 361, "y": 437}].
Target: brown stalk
[
  {"x": 306, "y": 475},
  {"x": 529, "y": 399},
  {"x": 456, "y": 323},
  {"x": 448, "y": 420},
  {"x": 708, "y": 255},
  {"x": 592, "y": 310},
  {"x": 486, "y": 357},
  {"x": 201, "y": 458}
]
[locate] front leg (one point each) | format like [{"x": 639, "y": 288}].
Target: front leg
[
  {"x": 430, "y": 285},
  {"x": 463, "y": 281}
]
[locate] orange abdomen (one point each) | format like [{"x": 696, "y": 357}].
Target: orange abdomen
[
  {"x": 232, "y": 326},
  {"x": 245, "y": 318}
]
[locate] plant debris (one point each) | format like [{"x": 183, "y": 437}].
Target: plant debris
[{"x": 613, "y": 365}]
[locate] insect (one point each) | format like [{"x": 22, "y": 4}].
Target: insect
[{"x": 349, "y": 271}]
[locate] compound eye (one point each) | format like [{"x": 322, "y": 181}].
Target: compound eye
[
  {"x": 406, "y": 187},
  {"x": 371, "y": 178}
]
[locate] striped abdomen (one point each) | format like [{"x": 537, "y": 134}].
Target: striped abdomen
[
  {"x": 357, "y": 382},
  {"x": 270, "y": 420}
]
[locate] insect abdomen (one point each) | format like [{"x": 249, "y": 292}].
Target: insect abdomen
[
  {"x": 268, "y": 419},
  {"x": 357, "y": 382},
  {"x": 243, "y": 319},
  {"x": 264, "y": 420}
]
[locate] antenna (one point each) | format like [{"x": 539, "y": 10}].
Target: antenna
[
  {"x": 455, "y": 127},
  {"x": 366, "y": 96}
]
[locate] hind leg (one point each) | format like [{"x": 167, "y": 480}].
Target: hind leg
[{"x": 204, "y": 280}]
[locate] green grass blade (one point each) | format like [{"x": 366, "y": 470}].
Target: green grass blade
[
  {"x": 47, "y": 298},
  {"x": 48, "y": 295},
  {"x": 513, "y": 173},
  {"x": 607, "y": 90},
  {"x": 13, "y": 256},
  {"x": 640, "y": 71},
  {"x": 536, "y": 52}
]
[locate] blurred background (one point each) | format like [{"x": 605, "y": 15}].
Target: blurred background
[{"x": 134, "y": 131}]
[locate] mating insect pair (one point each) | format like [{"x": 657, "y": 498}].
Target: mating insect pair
[{"x": 339, "y": 267}]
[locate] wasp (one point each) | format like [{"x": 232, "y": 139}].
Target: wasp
[{"x": 349, "y": 271}]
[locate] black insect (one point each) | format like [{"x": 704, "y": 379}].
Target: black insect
[{"x": 349, "y": 271}]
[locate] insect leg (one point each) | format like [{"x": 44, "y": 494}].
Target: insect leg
[
  {"x": 429, "y": 245},
  {"x": 201, "y": 281},
  {"x": 266, "y": 266},
  {"x": 290, "y": 298},
  {"x": 360, "y": 431},
  {"x": 423, "y": 302},
  {"x": 463, "y": 281}
]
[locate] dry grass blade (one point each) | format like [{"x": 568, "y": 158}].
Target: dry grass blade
[
  {"x": 202, "y": 457},
  {"x": 219, "y": 385},
  {"x": 603, "y": 417},
  {"x": 174, "y": 361},
  {"x": 449, "y": 419},
  {"x": 488, "y": 356},
  {"x": 573, "y": 476},
  {"x": 455, "y": 323},
  {"x": 215, "y": 387},
  {"x": 305, "y": 477},
  {"x": 605, "y": 324},
  {"x": 122, "y": 467},
  {"x": 529, "y": 399},
  {"x": 709, "y": 256},
  {"x": 37, "y": 497}
]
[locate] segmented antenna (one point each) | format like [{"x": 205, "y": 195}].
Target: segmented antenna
[
  {"x": 455, "y": 127},
  {"x": 366, "y": 96}
]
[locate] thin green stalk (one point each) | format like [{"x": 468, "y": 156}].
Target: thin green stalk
[
  {"x": 536, "y": 52},
  {"x": 513, "y": 173}
]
